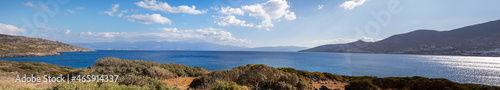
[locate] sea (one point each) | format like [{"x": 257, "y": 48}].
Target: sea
[{"x": 462, "y": 69}]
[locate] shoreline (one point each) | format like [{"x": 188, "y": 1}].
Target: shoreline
[
  {"x": 14, "y": 55},
  {"x": 409, "y": 54},
  {"x": 200, "y": 78},
  {"x": 30, "y": 54}
]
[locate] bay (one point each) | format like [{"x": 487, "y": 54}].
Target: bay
[{"x": 462, "y": 69}]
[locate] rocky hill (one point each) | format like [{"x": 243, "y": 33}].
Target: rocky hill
[
  {"x": 20, "y": 46},
  {"x": 477, "y": 40}
]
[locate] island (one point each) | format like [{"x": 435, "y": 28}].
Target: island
[
  {"x": 21, "y": 46},
  {"x": 475, "y": 40}
]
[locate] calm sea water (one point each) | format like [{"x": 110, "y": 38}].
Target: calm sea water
[{"x": 463, "y": 69}]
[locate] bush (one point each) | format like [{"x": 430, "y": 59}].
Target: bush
[
  {"x": 95, "y": 86},
  {"x": 160, "y": 73},
  {"x": 131, "y": 80},
  {"x": 413, "y": 83},
  {"x": 33, "y": 68},
  {"x": 115, "y": 66},
  {"x": 319, "y": 75},
  {"x": 253, "y": 76},
  {"x": 221, "y": 85},
  {"x": 360, "y": 85},
  {"x": 314, "y": 75}
]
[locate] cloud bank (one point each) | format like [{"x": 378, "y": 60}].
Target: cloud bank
[
  {"x": 267, "y": 12},
  {"x": 212, "y": 35},
  {"x": 349, "y": 5},
  {"x": 10, "y": 30},
  {"x": 165, "y": 7}
]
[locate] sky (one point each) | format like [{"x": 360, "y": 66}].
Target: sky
[{"x": 250, "y": 23}]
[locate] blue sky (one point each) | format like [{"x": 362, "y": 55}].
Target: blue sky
[{"x": 252, "y": 23}]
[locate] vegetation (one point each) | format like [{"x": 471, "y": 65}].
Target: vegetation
[
  {"x": 19, "y": 46},
  {"x": 95, "y": 86},
  {"x": 146, "y": 75},
  {"x": 33, "y": 68},
  {"x": 122, "y": 67},
  {"x": 315, "y": 75},
  {"x": 139, "y": 73},
  {"x": 411, "y": 83},
  {"x": 222, "y": 85},
  {"x": 253, "y": 76}
]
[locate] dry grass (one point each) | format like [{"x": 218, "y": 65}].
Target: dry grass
[
  {"x": 181, "y": 82},
  {"x": 8, "y": 82},
  {"x": 332, "y": 84}
]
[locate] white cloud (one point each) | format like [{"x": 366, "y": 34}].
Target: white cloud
[
  {"x": 267, "y": 12},
  {"x": 165, "y": 7},
  {"x": 320, "y": 6},
  {"x": 290, "y": 16},
  {"x": 232, "y": 20},
  {"x": 46, "y": 27},
  {"x": 80, "y": 8},
  {"x": 11, "y": 30},
  {"x": 121, "y": 13},
  {"x": 169, "y": 29},
  {"x": 348, "y": 5},
  {"x": 231, "y": 11},
  {"x": 272, "y": 9},
  {"x": 67, "y": 31},
  {"x": 344, "y": 40},
  {"x": 213, "y": 35},
  {"x": 149, "y": 19},
  {"x": 29, "y": 3},
  {"x": 112, "y": 10},
  {"x": 71, "y": 11},
  {"x": 37, "y": 7}
]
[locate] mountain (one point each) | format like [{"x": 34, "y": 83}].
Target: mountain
[
  {"x": 153, "y": 45},
  {"x": 276, "y": 48},
  {"x": 477, "y": 40},
  {"x": 20, "y": 46},
  {"x": 165, "y": 45}
]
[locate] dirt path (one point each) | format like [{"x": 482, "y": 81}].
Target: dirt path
[
  {"x": 182, "y": 82},
  {"x": 332, "y": 84}
]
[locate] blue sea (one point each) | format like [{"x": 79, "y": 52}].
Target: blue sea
[{"x": 462, "y": 69}]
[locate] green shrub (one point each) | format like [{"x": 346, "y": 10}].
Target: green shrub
[
  {"x": 33, "y": 68},
  {"x": 360, "y": 85},
  {"x": 319, "y": 75},
  {"x": 131, "y": 80},
  {"x": 253, "y": 76},
  {"x": 115, "y": 66},
  {"x": 316, "y": 75},
  {"x": 160, "y": 73},
  {"x": 414, "y": 83},
  {"x": 221, "y": 85},
  {"x": 95, "y": 86}
]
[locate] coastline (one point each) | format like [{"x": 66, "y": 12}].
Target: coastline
[
  {"x": 411, "y": 54},
  {"x": 179, "y": 76},
  {"x": 39, "y": 54}
]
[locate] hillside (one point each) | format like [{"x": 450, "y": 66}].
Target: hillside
[
  {"x": 477, "y": 40},
  {"x": 147, "y": 75},
  {"x": 20, "y": 46}
]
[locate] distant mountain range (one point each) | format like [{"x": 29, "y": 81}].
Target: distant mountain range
[
  {"x": 20, "y": 46},
  {"x": 477, "y": 40},
  {"x": 165, "y": 45}
]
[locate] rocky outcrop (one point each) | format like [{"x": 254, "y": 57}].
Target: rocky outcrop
[
  {"x": 29, "y": 54},
  {"x": 20, "y": 46}
]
